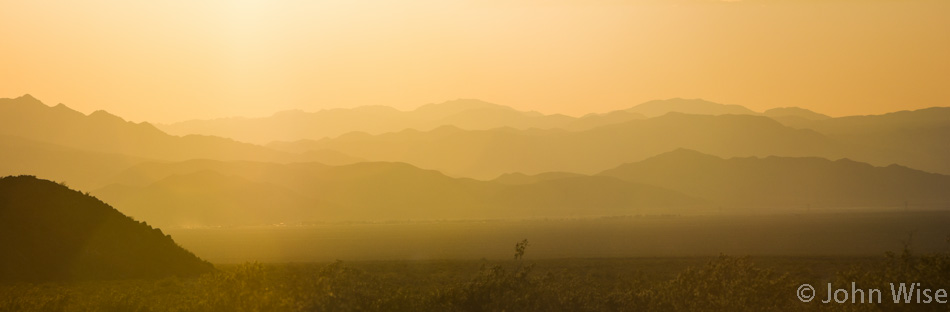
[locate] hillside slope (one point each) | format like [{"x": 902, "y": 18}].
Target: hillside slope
[{"x": 50, "y": 232}]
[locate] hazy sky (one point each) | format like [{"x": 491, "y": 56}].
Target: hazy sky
[{"x": 174, "y": 60}]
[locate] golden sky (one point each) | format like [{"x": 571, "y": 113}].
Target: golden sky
[{"x": 167, "y": 61}]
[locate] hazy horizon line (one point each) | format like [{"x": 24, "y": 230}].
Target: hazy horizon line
[{"x": 408, "y": 110}]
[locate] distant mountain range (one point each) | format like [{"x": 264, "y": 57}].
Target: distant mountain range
[
  {"x": 794, "y": 113},
  {"x": 295, "y": 125},
  {"x": 485, "y": 154},
  {"x": 681, "y": 181},
  {"x": 28, "y": 118},
  {"x": 786, "y": 181},
  {"x": 528, "y": 164},
  {"x": 530, "y": 144},
  {"x": 688, "y": 106},
  {"x": 79, "y": 168},
  {"x": 63, "y": 144},
  {"x": 917, "y": 139},
  {"x": 51, "y": 233},
  {"x": 775, "y": 182},
  {"x": 221, "y": 193},
  {"x": 464, "y": 114}
]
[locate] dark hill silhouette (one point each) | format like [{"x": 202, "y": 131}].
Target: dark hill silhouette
[
  {"x": 28, "y": 118},
  {"x": 788, "y": 181},
  {"x": 50, "y": 232},
  {"x": 486, "y": 154},
  {"x": 228, "y": 193}
]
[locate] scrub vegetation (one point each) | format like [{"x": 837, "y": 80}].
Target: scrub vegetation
[{"x": 723, "y": 283}]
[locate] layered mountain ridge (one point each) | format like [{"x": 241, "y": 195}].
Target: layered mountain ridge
[{"x": 481, "y": 160}]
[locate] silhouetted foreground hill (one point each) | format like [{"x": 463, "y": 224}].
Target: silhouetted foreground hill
[
  {"x": 50, "y": 232},
  {"x": 788, "y": 181}
]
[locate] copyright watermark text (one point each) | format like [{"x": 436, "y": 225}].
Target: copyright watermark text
[{"x": 898, "y": 293}]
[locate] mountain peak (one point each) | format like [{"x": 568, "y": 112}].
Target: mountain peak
[
  {"x": 471, "y": 103},
  {"x": 104, "y": 115},
  {"x": 684, "y": 153},
  {"x": 27, "y": 100},
  {"x": 689, "y": 106},
  {"x": 795, "y": 111},
  {"x": 376, "y": 109},
  {"x": 28, "y": 97},
  {"x": 289, "y": 112},
  {"x": 457, "y": 106},
  {"x": 62, "y": 109},
  {"x": 25, "y": 104}
]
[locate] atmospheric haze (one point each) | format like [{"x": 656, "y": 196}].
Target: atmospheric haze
[{"x": 148, "y": 149}]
